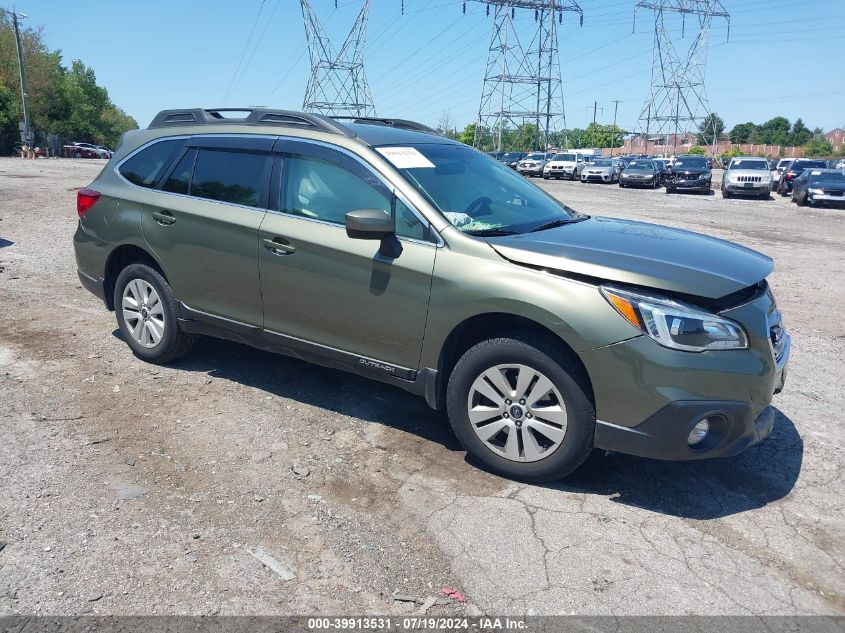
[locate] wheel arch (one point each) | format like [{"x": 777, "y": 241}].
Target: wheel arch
[
  {"x": 120, "y": 258},
  {"x": 479, "y": 327}
]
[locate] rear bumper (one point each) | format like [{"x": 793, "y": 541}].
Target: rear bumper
[
  {"x": 664, "y": 435},
  {"x": 94, "y": 285}
]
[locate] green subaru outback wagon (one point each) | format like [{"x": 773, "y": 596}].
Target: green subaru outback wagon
[{"x": 378, "y": 247}]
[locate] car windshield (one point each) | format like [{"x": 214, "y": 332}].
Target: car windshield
[
  {"x": 476, "y": 194},
  {"x": 740, "y": 163},
  {"x": 512, "y": 156},
  {"x": 536, "y": 156},
  {"x": 640, "y": 164},
  {"x": 602, "y": 163},
  {"x": 826, "y": 176},
  {"x": 570, "y": 157},
  {"x": 685, "y": 162}
]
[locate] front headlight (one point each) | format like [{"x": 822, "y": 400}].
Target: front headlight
[
  {"x": 816, "y": 192},
  {"x": 676, "y": 325}
]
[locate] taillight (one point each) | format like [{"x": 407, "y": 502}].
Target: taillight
[{"x": 85, "y": 199}]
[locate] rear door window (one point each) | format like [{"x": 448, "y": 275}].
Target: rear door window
[
  {"x": 147, "y": 166},
  {"x": 232, "y": 176}
]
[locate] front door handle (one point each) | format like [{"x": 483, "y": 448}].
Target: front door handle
[
  {"x": 165, "y": 218},
  {"x": 279, "y": 246}
]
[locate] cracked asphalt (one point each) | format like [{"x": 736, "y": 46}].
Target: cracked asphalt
[{"x": 132, "y": 489}]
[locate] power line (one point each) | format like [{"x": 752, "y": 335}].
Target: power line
[{"x": 243, "y": 54}]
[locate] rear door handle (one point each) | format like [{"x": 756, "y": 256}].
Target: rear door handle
[
  {"x": 279, "y": 246},
  {"x": 165, "y": 218}
]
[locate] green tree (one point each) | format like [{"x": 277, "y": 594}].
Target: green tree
[
  {"x": 800, "y": 134},
  {"x": 710, "y": 130},
  {"x": 468, "y": 135},
  {"x": 743, "y": 133},
  {"x": 818, "y": 147},
  {"x": 696, "y": 149},
  {"x": 597, "y": 135},
  {"x": 68, "y": 102},
  {"x": 774, "y": 131}
]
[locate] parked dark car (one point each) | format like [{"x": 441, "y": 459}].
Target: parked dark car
[
  {"x": 689, "y": 173},
  {"x": 640, "y": 173},
  {"x": 511, "y": 159},
  {"x": 819, "y": 186},
  {"x": 795, "y": 168}
]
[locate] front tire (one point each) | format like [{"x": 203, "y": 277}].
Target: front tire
[
  {"x": 520, "y": 407},
  {"x": 147, "y": 315}
]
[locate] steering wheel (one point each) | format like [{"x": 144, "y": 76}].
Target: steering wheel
[{"x": 482, "y": 205}]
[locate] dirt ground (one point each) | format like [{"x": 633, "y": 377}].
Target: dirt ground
[{"x": 127, "y": 488}]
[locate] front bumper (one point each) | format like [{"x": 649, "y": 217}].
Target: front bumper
[
  {"x": 688, "y": 185},
  {"x": 749, "y": 188},
  {"x": 596, "y": 177},
  {"x": 664, "y": 434},
  {"x": 530, "y": 171},
  {"x": 648, "y": 397},
  {"x": 826, "y": 199},
  {"x": 638, "y": 182}
]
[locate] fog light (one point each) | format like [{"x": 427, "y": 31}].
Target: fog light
[{"x": 699, "y": 432}]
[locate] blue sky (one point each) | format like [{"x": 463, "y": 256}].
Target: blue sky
[{"x": 153, "y": 55}]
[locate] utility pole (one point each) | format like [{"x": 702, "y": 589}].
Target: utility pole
[
  {"x": 616, "y": 103},
  {"x": 27, "y": 138},
  {"x": 595, "y": 107},
  {"x": 522, "y": 80},
  {"x": 677, "y": 100},
  {"x": 337, "y": 86}
]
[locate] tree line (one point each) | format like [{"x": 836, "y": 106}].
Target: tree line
[
  {"x": 66, "y": 102},
  {"x": 776, "y": 131}
]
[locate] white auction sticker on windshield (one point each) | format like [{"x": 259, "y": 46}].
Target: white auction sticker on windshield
[{"x": 405, "y": 157}]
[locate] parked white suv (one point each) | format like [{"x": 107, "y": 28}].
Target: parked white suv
[
  {"x": 564, "y": 165},
  {"x": 747, "y": 176}
]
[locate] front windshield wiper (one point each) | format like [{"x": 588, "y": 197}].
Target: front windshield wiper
[
  {"x": 559, "y": 222},
  {"x": 490, "y": 232}
]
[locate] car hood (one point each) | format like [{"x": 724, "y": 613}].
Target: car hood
[
  {"x": 562, "y": 163},
  {"x": 833, "y": 185},
  {"x": 748, "y": 172},
  {"x": 640, "y": 254},
  {"x": 594, "y": 169},
  {"x": 637, "y": 170},
  {"x": 690, "y": 171}
]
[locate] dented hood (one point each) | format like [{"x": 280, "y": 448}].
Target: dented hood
[{"x": 640, "y": 254}]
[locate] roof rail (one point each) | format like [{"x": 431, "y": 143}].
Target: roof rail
[
  {"x": 402, "y": 124},
  {"x": 253, "y": 116}
]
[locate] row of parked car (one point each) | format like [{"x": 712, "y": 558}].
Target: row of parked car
[
  {"x": 810, "y": 181},
  {"x": 86, "y": 150}
]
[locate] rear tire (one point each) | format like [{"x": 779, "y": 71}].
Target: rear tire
[
  {"x": 147, "y": 315},
  {"x": 547, "y": 444}
]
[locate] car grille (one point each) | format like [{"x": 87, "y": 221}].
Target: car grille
[
  {"x": 833, "y": 192},
  {"x": 749, "y": 178}
]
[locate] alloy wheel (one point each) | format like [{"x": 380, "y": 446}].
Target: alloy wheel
[
  {"x": 517, "y": 412},
  {"x": 143, "y": 313}
]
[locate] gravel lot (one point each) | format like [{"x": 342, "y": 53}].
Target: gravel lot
[{"x": 127, "y": 488}]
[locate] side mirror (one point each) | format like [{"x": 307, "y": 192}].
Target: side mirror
[
  {"x": 369, "y": 224},
  {"x": 374, "y": 224}
]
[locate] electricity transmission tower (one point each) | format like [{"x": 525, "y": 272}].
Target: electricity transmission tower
[
  {"x": 677, "y": 101},
  {"x": 337, "y": 86},
  {"x": 522, "y": 82}
]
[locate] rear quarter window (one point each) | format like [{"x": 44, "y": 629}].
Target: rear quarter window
[{"x": 146, "y": 167}]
